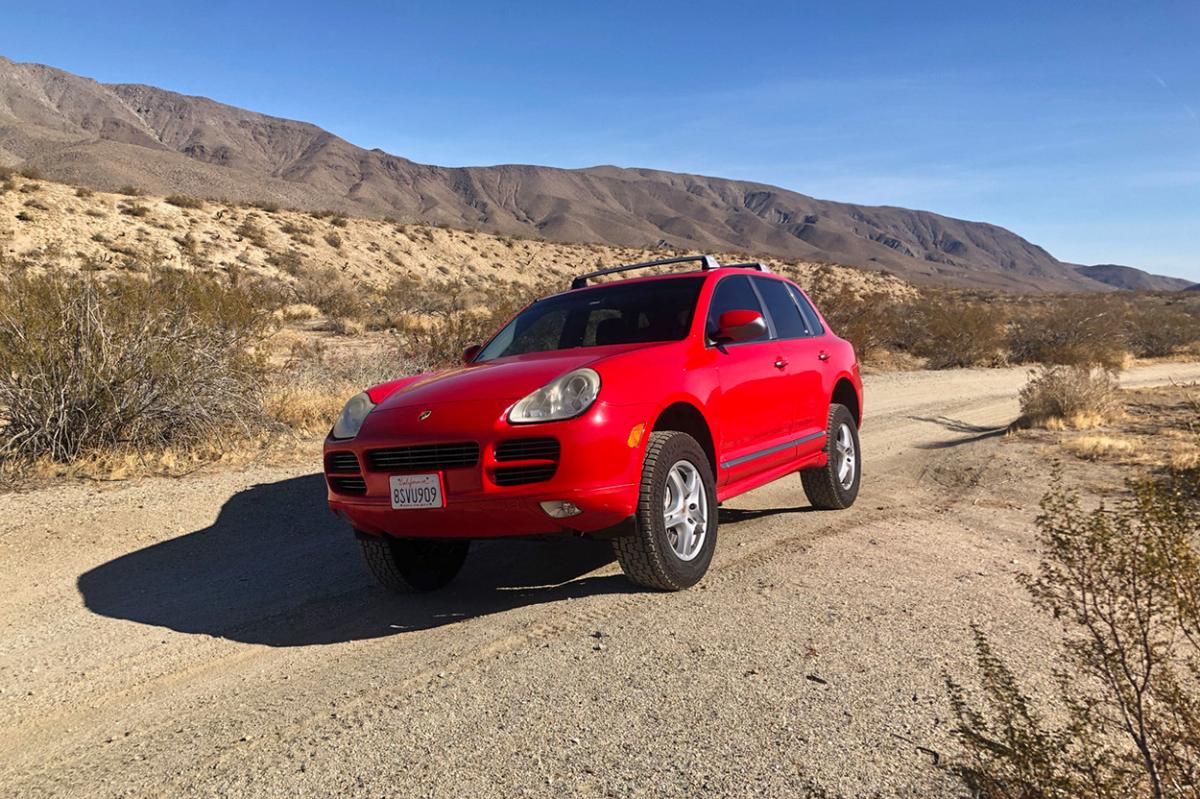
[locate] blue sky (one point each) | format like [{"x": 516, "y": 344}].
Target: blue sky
[{"x": 1075, "y": 124}]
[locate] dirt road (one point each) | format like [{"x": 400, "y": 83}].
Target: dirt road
[{"x": 218, "y": 635}]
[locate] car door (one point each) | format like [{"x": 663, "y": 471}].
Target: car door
[
  {"x": 798, "y": 360},
  {"x": 754, "y": 417},
  {"x": 812, "y": 360}
]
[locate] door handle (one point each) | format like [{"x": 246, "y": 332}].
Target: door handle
[
  {"x": 781, "y": 362},
  {"x": 824, "y": 356}
]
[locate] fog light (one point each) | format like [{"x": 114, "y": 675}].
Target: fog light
[{"x": 560, "y": 508}]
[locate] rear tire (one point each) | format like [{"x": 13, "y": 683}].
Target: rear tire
[
  {"x": 676, "y": 530},
  {"x": 834, "y": 486},
  {"x": 412, "y": 565}
]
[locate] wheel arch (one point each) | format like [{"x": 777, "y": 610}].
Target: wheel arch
[
  {"x": 685, "y": 417},
  {"x": 844, "y": 393}
]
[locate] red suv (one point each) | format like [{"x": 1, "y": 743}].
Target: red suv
[{"x": 627, "y": 410}]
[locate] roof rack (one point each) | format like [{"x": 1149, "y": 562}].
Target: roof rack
[
  {"x": 748, "y": 265},
  {"x": 706, "y": 261}
]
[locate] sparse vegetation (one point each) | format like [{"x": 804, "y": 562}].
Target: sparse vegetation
[
  {"x": 92, "y": 366},
  {"x": 1125, "y": 584}
]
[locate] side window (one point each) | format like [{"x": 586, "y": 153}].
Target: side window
[
  {"x": 784, "y": 313},
  {"x": 810, "y": 315},
  {"x": 732, "y": 294}
]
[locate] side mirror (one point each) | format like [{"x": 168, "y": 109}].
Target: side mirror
[
  {"x": 735, "y": 326},
  {"x": 470, "y": 352}
]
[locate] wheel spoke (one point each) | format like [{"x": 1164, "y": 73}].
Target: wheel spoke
[{"x": 685, "y": 510}]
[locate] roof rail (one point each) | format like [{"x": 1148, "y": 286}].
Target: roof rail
[
  {"x": 706, "y": 261},
  {"x": 748, "y": 265}
]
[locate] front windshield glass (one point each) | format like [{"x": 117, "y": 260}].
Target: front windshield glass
[{"x": 616, "y": 313}]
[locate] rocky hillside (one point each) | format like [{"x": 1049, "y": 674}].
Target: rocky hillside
[
  {"x": 76, "y": 130},
  {"x": 1129, "y": 278},
  {"x": 43, "y": 223}
]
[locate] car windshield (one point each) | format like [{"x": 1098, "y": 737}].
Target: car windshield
[{"x": 617, "y": 313}]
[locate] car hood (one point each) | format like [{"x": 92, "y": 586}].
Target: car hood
[{"x": 504, "y": 378}]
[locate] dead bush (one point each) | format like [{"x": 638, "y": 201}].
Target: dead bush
[
  {"x": 184, "y": 201},
  {"x": 958, "y": 333},
  {"x": 130, "y": 191},
  {"x": 252, "y": 232},
  {"x": 91, "y": 365},
  {"x": 1162, "y": 329},
  {"x": 338, "y": 297},
  {"x": 1075, "y": 396},
  {"x": 309, "y": 391},
  {"x": 1125, "y": 584},
  {"x": 1072, "y": 331}
]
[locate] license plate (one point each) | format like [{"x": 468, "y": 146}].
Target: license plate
[{"x": 417, "y": 491}]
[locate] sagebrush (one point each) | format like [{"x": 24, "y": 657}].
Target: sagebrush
[{"x": 91, "y": 365}]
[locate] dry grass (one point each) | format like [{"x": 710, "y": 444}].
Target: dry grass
[{"x": 1095, "y": 447}]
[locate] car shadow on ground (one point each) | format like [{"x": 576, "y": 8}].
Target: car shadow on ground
[
  {"x": 277, "y": 568},
  {"x": 971, "y": 433}
]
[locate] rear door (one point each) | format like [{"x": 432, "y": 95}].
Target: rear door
[{"x": 755, "y": 414}]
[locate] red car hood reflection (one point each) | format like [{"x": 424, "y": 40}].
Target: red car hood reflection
[{"x": 504, "y": 378}]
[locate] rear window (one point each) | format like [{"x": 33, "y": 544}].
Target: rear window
[
  {"x": 617, "y": 313},
  {"x": 810, "y": 314},
  {"x": 784, "y": 312}
]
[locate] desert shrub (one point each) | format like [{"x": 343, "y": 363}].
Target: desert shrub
[
  {"x": 130, "y": 191},
  {"x": 309, "y": 391},
  {"x": 326, "y": 288},
  {"x": 83, "y": 192},
  {"x": 951, "y": 332},
  {"x": 134, "y": 209},
  {"x": 1125, "y": 584},
  {"x": 31, "y": 172},
  {"x": 24, "y": 216},
  {"x": 252, "y": 232},
  {"x": 333, "y": 240},
  {"x": 1158, "y": 330},
  {"x": 184, "y": 201},
  {"x": 1073, "y": 331},
  {"x": 267, "y": 206},
  {"x": 1077, "y": 396},
  {"x": 289, "y": 261},
  {"x": 339, "y": 220},
  {"x": 438, "y": 319},
  {"x": 90, "y": 365}
]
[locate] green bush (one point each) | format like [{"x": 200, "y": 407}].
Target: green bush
[{"x": 91, "y": 365}]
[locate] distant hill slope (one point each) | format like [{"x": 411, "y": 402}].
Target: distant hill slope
[
  {"x": 1132, "y": 279},
  {"x": 107, "y": 136}
]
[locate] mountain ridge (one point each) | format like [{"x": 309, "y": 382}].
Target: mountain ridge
[{"x": 106, "y": 136}]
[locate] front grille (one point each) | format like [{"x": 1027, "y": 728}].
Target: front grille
[
  {"x": 341, "y": 462},
  {"x": 528, "y": 449},
  {"x": 348, "y": 485},
  {"x": 424, "y": 457},
  {"x": 523, "y": 475}
]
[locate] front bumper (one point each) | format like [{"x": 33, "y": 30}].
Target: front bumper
[{"x": 598, "y": 469}]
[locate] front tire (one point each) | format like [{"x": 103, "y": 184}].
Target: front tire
[
  {"x": 413, "y": 565},
  {"x": 834, "y": 486},
  {"x": 676, "y": 530}
]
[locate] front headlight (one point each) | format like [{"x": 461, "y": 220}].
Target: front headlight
[
  {"x": 562, "y": 398},
  {"x": 351, "y": 419}
]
